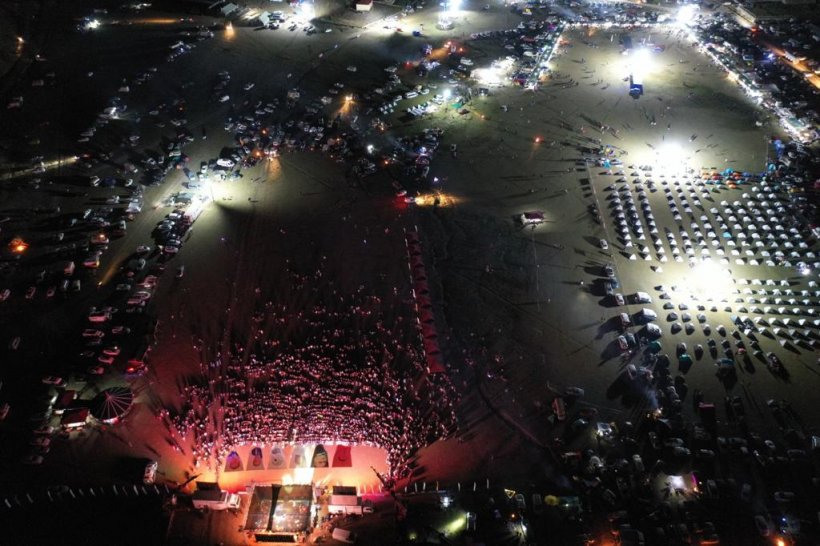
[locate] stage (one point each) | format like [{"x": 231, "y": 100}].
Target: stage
[
  {"x": 277, "y": 467},
  {"x": 280, "y": 513}
]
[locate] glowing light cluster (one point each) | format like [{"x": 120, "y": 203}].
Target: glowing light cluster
[{"x": 708, "y": 281}]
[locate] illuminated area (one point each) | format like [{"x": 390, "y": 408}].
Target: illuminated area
[
  {"x": 438, "y": 199},
  {"x": 497, "y": 73},
  {"x": 707, "y": 280},
  {"x": 280, "y": 510},
  {"x": 451, "y": 9},
  {"x": 687, "y": 15},
  {"x": 670, "y": 158},
  {"x": 640, "y": 63}
]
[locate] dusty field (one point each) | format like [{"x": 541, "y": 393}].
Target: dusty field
[{"x": 504, "y": 296}]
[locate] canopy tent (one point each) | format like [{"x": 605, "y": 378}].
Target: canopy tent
[{"x": 112, "y": 404}]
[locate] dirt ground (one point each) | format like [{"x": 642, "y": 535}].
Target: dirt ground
[{"x": 505, "y": 297}]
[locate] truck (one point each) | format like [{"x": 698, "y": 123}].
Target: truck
[{"x": 208, "y": 496}]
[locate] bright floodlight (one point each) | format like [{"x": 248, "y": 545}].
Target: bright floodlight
[
  {"x": 453, "y": 6},
  {"x": 686, "y": 15},
  {"x": 447, "y": 93},
  {"x": 709, "y": 281},
  {"x": 669, "y": 152},
  {"x": 670, "y": 158},
  {"x": 640, "y": 63}
]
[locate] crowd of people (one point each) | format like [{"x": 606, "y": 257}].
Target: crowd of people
[{"x": 327, "y": 366}]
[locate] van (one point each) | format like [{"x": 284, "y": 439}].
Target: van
[{"x": 68, "y": 268}]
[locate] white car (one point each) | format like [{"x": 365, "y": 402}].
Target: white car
[
  {"x": 248, "y": 86},
  {"x": 224, "y": 98},
  {"x": 352, "y": 68},
  {"x": 604, "y": 244}
]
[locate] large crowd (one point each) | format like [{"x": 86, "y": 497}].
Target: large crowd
[{"x": 329, "y": 367}]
